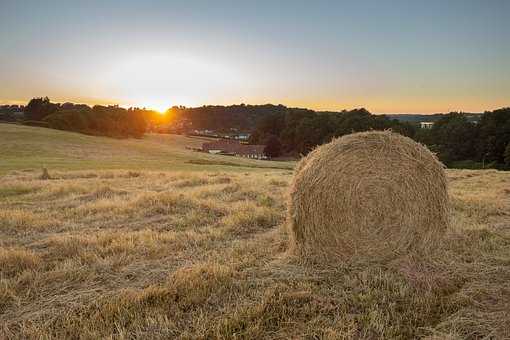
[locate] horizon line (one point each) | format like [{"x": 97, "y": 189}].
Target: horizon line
[{"x": 147, "y": 107}]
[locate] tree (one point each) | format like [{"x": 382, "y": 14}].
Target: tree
[
  {"x": 270, "y": 125},
  {"x": 494, "y": 135},
  {"x": 454, "y": 137},
  {"x": 507, "y": 156},
  {"x": 39, "y": 108},
  {"x": 300, "y": 130},
  {"x": 112, "y": 120},
  {"x": 312, "y": 132},
  {"x": 273, "y": 146}
]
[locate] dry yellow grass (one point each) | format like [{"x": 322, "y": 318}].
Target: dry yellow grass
[{"x": 119, "y": 254}]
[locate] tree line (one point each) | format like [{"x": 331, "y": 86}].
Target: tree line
[
  {"x": 298, "y": 131},
  {"x": 462, "y": 143},
  {"x": 221, "y": 118},
  {"x": 11, "y": 113},
  {"x": 112, "y": 121},
  {"x": 457, "y": 140}
]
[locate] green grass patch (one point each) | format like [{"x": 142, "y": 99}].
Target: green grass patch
[
  {"x": 14, "y": 191},
  {"x": 28, "y": 147}
]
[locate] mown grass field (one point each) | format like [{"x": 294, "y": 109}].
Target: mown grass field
[
  {"x": 164, "y": 252},
  {"x": 26, "y": 147}
]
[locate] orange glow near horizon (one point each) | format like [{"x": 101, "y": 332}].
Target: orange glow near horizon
[
  {"x": 373, "y": 105},
  {"x": 162, "y": 107},
  {"x": 158, "y": 107}
]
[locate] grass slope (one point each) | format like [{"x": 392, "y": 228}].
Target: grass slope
[{"x": 26, "y": 147}]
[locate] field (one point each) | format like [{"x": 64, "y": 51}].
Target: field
[
  {"x": 129, "y": 239},
  {"x": 26, "y": 147}
]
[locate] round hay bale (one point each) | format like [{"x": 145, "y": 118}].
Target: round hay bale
[{"x": 373, "y": 194}]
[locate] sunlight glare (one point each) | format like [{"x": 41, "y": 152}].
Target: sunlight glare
[{"x": 155, "y": 80}]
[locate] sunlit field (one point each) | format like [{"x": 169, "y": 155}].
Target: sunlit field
[
  {"x": 149, "y": 249},
  {"x": 26, "y": 147}
]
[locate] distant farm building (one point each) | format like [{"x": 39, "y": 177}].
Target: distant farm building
[
  {"x": 234, "y": 148},
  {"x": 242, "y": 136},
  {"x": 426, "y": 125}
]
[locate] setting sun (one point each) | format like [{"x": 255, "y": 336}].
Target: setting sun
[
  {"x": 158, "y": 107},
  {"x": 154, "y": 80}
]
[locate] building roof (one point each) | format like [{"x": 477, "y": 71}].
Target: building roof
[
  {"x": 251, "y": 149},
  {"x": 234, "y": 147},
  {"x": 220, "y": 144}
]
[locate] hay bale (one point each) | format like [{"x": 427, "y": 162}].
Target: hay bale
[{"x": 374, "y": 194}]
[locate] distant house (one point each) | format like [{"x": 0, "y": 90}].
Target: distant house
[
  {"x": 426, "y": 125},
  {"x": 251, "y": 151},
  {"x": 220, "y": 146},
  {"x": 234, "y": 148}
]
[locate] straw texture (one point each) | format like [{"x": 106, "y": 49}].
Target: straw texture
[{"x": 377, "y": 194}]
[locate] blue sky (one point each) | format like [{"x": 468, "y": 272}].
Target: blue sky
[{"x": 387, "y": 56}]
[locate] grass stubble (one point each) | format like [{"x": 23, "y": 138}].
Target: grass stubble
[{"x": 150, "y": 254}]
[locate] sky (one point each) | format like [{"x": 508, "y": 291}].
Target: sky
[{"x": 389, "y": 56}]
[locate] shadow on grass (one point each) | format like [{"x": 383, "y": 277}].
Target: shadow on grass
[{"x": 224, "y": 163}]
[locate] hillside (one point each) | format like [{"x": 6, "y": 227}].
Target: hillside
[{"x": 26, "y": 147}]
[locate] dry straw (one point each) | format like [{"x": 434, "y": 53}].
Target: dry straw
[{"x": 372, "y": 195}]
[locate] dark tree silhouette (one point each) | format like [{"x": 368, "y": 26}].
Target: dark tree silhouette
[
  {"x": 39, "y": 108},
  {"x": 273, "y": 146},
  {"x": 494, "y": 135},
  {"x": 507, "y": 156},
  {"x": 300, "y": 130},
  {"x": 110, "y": 121},
  {"x": 455, "y": 138}
]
